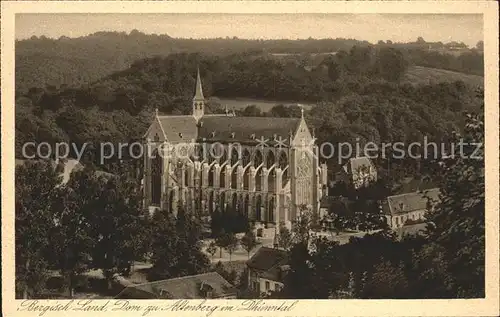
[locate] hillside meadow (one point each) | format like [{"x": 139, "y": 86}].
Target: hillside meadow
[
  {"x": 416, "y": 75},
  {"x": 426, "y": 75}
]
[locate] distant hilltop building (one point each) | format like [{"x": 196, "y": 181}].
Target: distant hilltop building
[{"x": 259, "y": 166}]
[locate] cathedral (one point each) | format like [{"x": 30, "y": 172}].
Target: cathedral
[{"x": 263, "y": 167}]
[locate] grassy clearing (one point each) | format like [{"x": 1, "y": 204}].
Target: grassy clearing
[
  {"x": 417, "y": 75},
  {"x": 426, "y": 75}
]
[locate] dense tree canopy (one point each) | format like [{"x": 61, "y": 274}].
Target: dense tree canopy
[
  {"x": 447, "y": 262},
  {"x": 43, "y": 61},
  {"x": 359, "y": 94}
]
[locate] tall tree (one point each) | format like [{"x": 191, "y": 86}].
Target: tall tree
[
  {"x": 301, "y": 228},
  {"x": 118, "y": 225},
  {"x": 231, "y": 244},
  {"x": 388, "y": 281},
  {"x": 299, "y": 280},
  {"x": 71, "y": 237},
  {"x": 285, "y": 238},
  {"x": 212, "y": 248},
  {"x": 391, "y": 64},
  {"x": 36, "y": 188},
  {"x": 249, "y": 242},
  {"x": 457, "y": 224},
  {"x": 163, "y": 245},
  {"x": 191, "y": 258}
]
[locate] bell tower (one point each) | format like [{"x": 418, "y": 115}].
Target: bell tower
[{"x": 198, "y": 99}]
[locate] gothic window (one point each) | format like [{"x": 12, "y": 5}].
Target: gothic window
[
  {"x": 234, "y": 204},
  {"x": 216, "y": 152},
  {"x": 234, "y": 177},
  {"x": 258, "y": 208},
  {"x": 156, "y": 138},
  {"x": 270, "y": 159},
  {"x": 271, "y": 179},
  {"x": 258, "y": 180},
  {"x": 235, "y": 156},
  {"x": 187, "y": 175},
  {"x": 283, "y": 163},
  {"x": 222, "y": 202},
  {"x": 258, "y": 177},
  {"x": 283, "y": 160},
  {"x": 270, "y": 211},
  {"x": 223, "y": 178},
  {"x": 246, "y": 179},
  {"x": 156, "y": 175},
  {"x": 246, "y": 157},
  {"x": 246, "y": 206},
  {"x": 183, "y": 151},
  {"x": 258, "y": 158},
  {"x": 304, "y": 166},
  {"x": 223, "y": 156},
  {"x": 211, "y": 202},
  {"x": 199, "y": 152},
  {"x": 211, "y": 173}
]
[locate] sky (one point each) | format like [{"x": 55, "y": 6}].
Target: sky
[{"x": 467, "y": 28}]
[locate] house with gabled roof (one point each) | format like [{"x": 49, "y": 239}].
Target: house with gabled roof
[
  {"x": 201, "y": 286},
  {"x": 267, "y": 269},
  {"x": 410, "y": 207}
]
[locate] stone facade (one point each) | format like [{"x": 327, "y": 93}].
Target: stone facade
[{"x": 263, "y": 167}]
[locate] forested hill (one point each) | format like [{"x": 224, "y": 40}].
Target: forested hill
[
  {"x": 43, "y": 61},
  {"x": 361, "y": 93},
  {"x": 80, "y": 61}
]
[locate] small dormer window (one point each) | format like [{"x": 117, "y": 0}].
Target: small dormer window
[
  {"x": 213, "y": 134},
  {"x": 232, "y": 135},
  {"x": 206, "y": 290},
  {"x": 180, "y": 134},
  {"x": 252, "y": 136},
  {"x": 275, "y": 137}
]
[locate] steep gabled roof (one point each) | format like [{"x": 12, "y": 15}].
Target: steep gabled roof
[
  {"x": 401, "y": 204},
  {"x": 179, "y": 128},
  {"x": 186, "y": 287},
  {"x": 266, "y": 258},
  {"x": 241, "y": 129},
  {"x": 271, "y": 262},
  {"x": 198, "y": 95}
]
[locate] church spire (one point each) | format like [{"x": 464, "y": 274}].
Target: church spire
[
  {"x": 199, "y": 89},
  {"x": 198, "y": 99}
]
